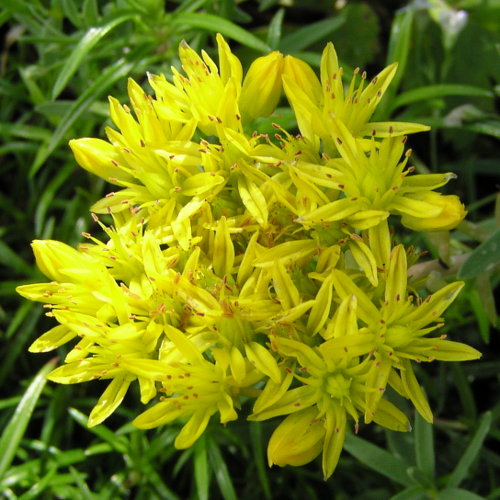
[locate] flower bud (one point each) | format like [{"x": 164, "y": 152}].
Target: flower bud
[
  {"x": 452, "y": 212},
  {"x": 297, "y": 440},
  {"x": 262, "y": 86},
  {"x": 298, "y": 72}
]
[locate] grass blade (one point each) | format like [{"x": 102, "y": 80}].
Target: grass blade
[
  {"x": 304, "y": 37},
  {"x": 218, "y": 24},
  {"x": 259, "y": 457},
  {"x": 119, "y": 443},
  {"x": 10, "y": 259},
  {"x": 424, "y": 446},
  {"x": 275, "y": 28},
  {"x": 221, "y": 472},
  {"x": 113, "y": 73},
  {"x": 411, "y": 493},
  {"x": 84, "y": 46},
  {"x": 378, "y": 459},
  {"x": 457, "y": 494},
  {"x": 201, "y": 469},
  {"x": 470, "y": 454},
  {"x": 435, "y": 91},
  {"x": 14, "y": 431},
  {"x": 399, "y": 43},
  {"x": 484, "y": 256}
]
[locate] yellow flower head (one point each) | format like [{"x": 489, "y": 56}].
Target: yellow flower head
[
  {"x": 317, "y": 103},
  {"x": 248, "y": 267}
]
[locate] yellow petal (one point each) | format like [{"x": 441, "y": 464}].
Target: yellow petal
[
  {"x": 365, "y": 259},
  {"x": 52, "y": 339},
  {"x": 253, "y": 199},
  {"x": 272, "y": 393},
  {"x": 109, "y": 401},
  {"x": 321, "y": 308},
  {"x": 345, "y": 287},
  {"x": 392, "y": 129},
  {"x": 414, "y": 391},
  {"x": 297, "y": 440},
  {"x": 285, "y": 288},
  {"x": 287, "y": 253},
  {"x": 193, "y": 429},
  {"x": 160, "y": 414},
  {"x": 223, "y": 253},
  {"x": 335, "y": 426},
  {"x": 376, "y": 384},
  {"x": 389, "y": 416},
  {"x": 395, "y": 286},
  {"x": 263, "y": 360},
  {"x": 100, "y": 158}
]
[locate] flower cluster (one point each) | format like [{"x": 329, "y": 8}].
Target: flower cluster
[{"x": 242, "y": 268}]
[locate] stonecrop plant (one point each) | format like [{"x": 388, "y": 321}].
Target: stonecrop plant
[{"x": 247, "y": 271}]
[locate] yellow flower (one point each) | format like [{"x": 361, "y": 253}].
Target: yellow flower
[
  {"x": 248, "y": 267},
  {"x": 375, "y": 183},
  {"x": 316, "y": 104},
  {"x": 212, "y": 96},
  {"x": 332, "y": 389},
  {"x": 194, "y": 388},
  {"x": 395, "y": 331}
]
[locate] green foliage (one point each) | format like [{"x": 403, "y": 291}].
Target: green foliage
[{"x": 60, "y": 60}]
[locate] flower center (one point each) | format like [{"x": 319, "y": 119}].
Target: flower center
[{"x": 337, "y": 386}]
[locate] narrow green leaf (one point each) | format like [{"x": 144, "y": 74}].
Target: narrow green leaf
[
  {"x": 435, "y": 91},
  {"x": 41, "y": 484},
  {"x": 11, "y": 259},
  {"x": 158, "y": 485},
  {"x": 26, "y": 473},
  {"x": 71, "y": 12},
  {"x": 303, "y": 37},
  {"x": 489, "y": 127},
  {"x": 84, "y": 46},
  {"x": 217, "y": 24},
  {"x": 7, "y": 403},
  {"x": 485, "y": 255},
  {"x": 113, "y": 73},
  {"x": 14, "y": 431},
  {"x": 190, "y": 5},
  {"x": 48, "y": 196},
  {"x": 21, "y": 313},
  {"x": 378, "y": 459},
  {"x": 411, "y": 493},
  {"x": 119, "y": 443},
  {"x": 20, "y": 338},
  {"x": 399, "y": 40},
  {"x": 259, "y": 458},
  {"x": 83, "y": 488},
  {"x": 418, "y": 477},
  {"x": 471, "y": 452},
  {"x": 457, "y": 494},
  {"x": 477, "y": 306},
  {"x": 30, "y": 132},
  {"x": 274, "y": 29},
  {"x": 201, "y": 471},
  {"x": 424, "y": 446},
  {"x": 90, "y": 12},
  {"x": 398, "y": 49},
  {"x": 220, "y": 470},
  {"x": 485, "y": 290}
]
